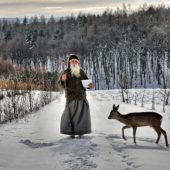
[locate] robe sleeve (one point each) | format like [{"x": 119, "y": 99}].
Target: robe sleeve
[
  {"x": 84, "y": 76},
  {"x": 60, "y": 82}
]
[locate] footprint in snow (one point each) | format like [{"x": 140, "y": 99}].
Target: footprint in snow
[
  {"x": 77, "y": 153},
  {"x": 121, "y": 152},
  {"x": 34, "y": 144}
]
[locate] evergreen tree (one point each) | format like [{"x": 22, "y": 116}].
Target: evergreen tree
[{"x": 8, "y": 35}]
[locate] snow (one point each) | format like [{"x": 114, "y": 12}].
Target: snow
[{"x": 36, "y": 143}]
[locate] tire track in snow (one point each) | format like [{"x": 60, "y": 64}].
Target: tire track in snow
[{"x": 113, "y": 140}]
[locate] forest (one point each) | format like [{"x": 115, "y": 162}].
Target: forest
[{"x": 117, "y": 49}]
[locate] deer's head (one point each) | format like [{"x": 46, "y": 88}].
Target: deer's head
[{"x": 113, "y": 112}]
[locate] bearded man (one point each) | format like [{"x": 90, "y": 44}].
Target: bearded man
[{"x": 76, "y": 116}]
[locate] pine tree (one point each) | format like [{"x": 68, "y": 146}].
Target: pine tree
[{"x": 8, "y": 36}]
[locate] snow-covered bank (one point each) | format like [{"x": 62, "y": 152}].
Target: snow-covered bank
[
  {"x": 36, "y": 143},
  {"x": 18, "y": 103}
]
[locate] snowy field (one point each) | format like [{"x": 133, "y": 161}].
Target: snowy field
[{"x": 35, "y": 143}]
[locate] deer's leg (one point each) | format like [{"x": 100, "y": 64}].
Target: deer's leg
[
  {"x": 134, "y": 134},
  {"x": 165, "y": 136},
  {"x": 158, "y": 132},
  {"x": 123, "y": 136}
]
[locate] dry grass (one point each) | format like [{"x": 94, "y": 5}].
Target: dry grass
[{"x": 11, "y": 85}]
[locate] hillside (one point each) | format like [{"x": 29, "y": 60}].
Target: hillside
[{"x": 114, "y": 47}]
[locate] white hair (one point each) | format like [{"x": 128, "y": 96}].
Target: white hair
[{"x": 75, "y": 70}]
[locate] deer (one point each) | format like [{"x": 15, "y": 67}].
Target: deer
[{"x": 139, "y": 119}]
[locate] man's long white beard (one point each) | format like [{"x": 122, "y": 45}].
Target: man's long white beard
[{"x": 75, "y": 70}]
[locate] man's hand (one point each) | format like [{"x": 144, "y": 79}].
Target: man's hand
[
  {"x": 64, "y": 77},
  {"x": 90, "y": 85}
]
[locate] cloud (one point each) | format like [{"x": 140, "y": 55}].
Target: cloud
[
  {"x": 65, "y": 11},
  {"x": 19, "y": 8},
  {"x": 66, "y": 3}
]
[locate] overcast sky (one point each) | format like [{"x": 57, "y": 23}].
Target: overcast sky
[{"x": 57, "y": 8}]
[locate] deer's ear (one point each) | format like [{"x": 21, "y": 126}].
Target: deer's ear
[
  {"x": 113, "y": 106},
  {"x": 117, "y": 107}
]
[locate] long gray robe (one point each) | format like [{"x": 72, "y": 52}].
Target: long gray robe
[{"x": 76, "y": 118}]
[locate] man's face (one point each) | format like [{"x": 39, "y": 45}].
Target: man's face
[
  {"x": 74, "y": 62},
  {"x": 75, "y": 68}
]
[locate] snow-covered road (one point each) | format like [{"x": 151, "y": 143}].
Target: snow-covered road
[{"x": 35, "y": 143}]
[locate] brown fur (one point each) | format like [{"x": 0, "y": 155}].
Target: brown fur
[{"x": 138, "y": 119}]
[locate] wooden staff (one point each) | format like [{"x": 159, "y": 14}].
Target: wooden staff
[{"x": 63, "y": 68}]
